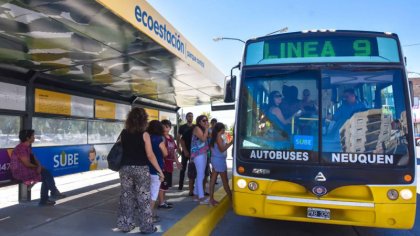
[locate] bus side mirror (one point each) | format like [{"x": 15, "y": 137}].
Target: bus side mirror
[{"x": 230, "y": 84}]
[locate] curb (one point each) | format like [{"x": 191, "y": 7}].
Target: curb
[{"x": 202, "y": 219}]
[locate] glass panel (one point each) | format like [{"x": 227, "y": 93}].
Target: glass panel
[
  {"x": 55, "y": 132},
  {"x": 280, "y": 112},
  {"x": 322, "y": 49},
  {"x": 364, "y": 117},
  {"x": 9, "y": 131},
  {"x": 104, "y": 131}
]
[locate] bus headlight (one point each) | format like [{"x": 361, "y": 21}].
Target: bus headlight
[
  {"x": 406, "y": 194},
  {"x": 392, "y": 194},
  {"x": 253, "y": 186},
  {"x": 241, "y": 183}
]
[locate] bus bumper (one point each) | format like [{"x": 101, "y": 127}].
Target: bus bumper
[{"x": 383, "y": 215}]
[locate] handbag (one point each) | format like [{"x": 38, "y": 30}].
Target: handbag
[{"x": 115, "y": 156}]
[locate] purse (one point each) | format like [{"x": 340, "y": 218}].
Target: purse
[{"x": 115, "y": 156}]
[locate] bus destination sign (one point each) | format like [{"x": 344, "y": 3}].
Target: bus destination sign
[{"x": 320, "y": 47}]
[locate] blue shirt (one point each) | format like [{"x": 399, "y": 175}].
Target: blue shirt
[
  {"x": 156, "y": 140},
  {"x": 346, "y": 111}
]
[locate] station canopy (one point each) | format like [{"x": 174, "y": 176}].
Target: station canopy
[{"x": 124, "y": 49}]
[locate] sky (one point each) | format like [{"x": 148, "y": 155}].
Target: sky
[{"x": 201, "y": 21}]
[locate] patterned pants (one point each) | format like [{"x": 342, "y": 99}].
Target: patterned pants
[{"x": 135, "y": 191}]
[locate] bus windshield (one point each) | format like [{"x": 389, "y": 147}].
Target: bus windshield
[{"x": 352, "y": 117}]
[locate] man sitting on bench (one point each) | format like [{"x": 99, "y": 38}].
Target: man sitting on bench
[{"x": 26, "y": 168}]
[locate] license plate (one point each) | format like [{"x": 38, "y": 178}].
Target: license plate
[{"x": 318, "y": 213}]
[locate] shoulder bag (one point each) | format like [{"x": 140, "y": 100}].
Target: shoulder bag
[{"x": 115, "y": 155}]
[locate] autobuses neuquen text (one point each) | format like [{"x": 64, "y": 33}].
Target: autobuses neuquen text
[{"x": 323, "y": 130}]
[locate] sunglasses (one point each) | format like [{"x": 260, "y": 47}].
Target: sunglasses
[
  {"x": 278, "y": 96},
  {"x": 204, "y": 120}
]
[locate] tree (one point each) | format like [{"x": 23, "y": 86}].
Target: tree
[{"x": 208, "y": 114}]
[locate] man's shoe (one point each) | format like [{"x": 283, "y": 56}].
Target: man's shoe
[
  {"x": 164, "y": 206},
  {"x": 47, "y": 203},
  {"x": 58, "y": 195},
  {"x": 169, "y": 203}
]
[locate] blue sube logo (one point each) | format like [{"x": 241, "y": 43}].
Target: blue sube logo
[{"x": 303, "y": 142}]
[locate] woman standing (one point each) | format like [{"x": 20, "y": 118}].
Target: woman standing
[
  {"x": 199, "y": 147},
  {"x": 218, "y": 160},
  {"x": 134, "y": 173}
]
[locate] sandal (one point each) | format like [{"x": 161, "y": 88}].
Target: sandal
[
  {"x": 130, "y": 227},
  {"x": 214, "y": 202}
]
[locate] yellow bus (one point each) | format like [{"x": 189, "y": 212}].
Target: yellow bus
[{"x": 322, "y": 132}]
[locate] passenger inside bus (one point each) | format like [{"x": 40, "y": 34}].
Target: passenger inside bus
[
  {"x": 291, "y": 104},
  {"x": 280, "y": 125},
  {"x": 349, "y": 106},
  {"x": 308, "y": 106},
  {"x": 307, "y": 125}
]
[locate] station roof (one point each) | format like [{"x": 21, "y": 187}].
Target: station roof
[{"x": 121, "y": 48}]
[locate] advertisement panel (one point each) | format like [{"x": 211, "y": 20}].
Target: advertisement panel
[
  {"x": 62, "y": 104},
  {"x": 97, "y": 156},
  {"x": 5, "y": 174},
  {"x": 153, "y": 114},
  {"x": 64, "y": 160},
  {"x": 52, "y": 102},
  {"x": 104, "y": 109}
]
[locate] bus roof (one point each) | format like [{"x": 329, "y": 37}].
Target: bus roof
[{"x": 323, "y": 32}]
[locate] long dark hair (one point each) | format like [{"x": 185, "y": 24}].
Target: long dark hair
[
  {"x": 198, "y": 120},
  {"x": 271, "y": 98},
  {"x": 136, "y": 120},
  {"x": 155, "y": 128},
  {"x": 216, "y": 129}
]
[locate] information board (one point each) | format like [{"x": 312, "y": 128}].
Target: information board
[
  {"x": 52, "y": 102},
  {"x": 104, "y": 109}
]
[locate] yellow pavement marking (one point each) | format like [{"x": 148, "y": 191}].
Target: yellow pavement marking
[{"x": 202, "y": 219}]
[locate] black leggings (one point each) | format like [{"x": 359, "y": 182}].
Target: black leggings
[{"x": 184, "y": 161}]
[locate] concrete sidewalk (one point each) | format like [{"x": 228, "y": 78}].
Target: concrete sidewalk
[{"x": 90, "y": 208}]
